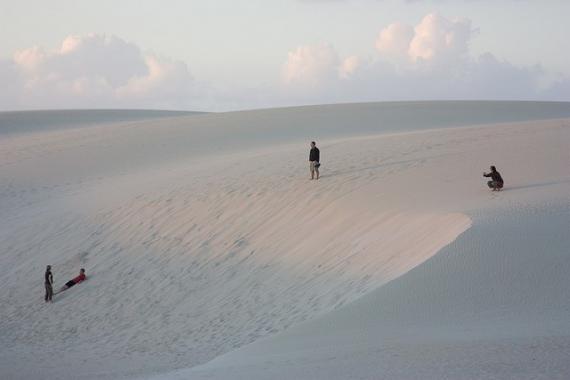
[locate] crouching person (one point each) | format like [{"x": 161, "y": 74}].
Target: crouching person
[{"x": 496, "y": 183}]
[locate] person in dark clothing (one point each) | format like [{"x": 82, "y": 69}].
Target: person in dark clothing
[
  {"x": 48, "y": 284},
  {"x": 314, "y": 160},
  {"x": 74, "y": 282},
  {"x": 496, "y": 183}
]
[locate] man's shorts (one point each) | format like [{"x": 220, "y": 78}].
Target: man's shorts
[
  {"x": 495, "y": 184},
  {"x": 69, "y": 284},
  {"x": 313, "y": 166}
]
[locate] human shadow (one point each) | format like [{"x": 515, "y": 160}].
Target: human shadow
[{"x": 536, "y": 185}]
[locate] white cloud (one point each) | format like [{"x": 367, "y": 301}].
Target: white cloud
[
  {"x": 165, "y": 81},
  {"x": 29, "y": 59},
  {"x": 435, "y": 38},
  {"x": 349, "y": 66},
  {"x": 393, "y": 42},
  {"x": 94, "y": 71},
  {"x": 430, "y": 60},
  {"x": 311, "y": 66}
]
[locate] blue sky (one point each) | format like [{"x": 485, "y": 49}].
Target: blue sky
[{"x": 223, "y": 54}]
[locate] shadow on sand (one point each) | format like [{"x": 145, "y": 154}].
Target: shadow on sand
[{"x": 536, "y": 185}]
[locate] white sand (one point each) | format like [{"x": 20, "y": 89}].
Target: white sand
[{"x": 198, "y": 241}]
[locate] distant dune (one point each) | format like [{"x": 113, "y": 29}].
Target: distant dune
[
  {"x": 210, "y": 254},
  {"x": 16, "y": 122}
]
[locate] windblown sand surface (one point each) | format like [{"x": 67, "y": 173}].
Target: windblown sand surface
[{"x": 202, "y": 234}]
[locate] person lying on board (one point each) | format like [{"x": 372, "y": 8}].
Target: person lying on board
[
  {"x": 496, "y": 183},
  {"x": 74, "y": 282}
]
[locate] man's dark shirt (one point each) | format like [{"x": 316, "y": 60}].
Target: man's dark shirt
[
  {"x": 49, "y": 277},
  {"x": 495, "y": 176},
  {"x": 314, "y": 155}
]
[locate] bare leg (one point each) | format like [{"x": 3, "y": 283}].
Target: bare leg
[{"x": 317, "y": 170}]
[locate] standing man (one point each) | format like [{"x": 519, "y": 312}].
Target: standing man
[
  {"x": 314, "y": 160},
  {"x": 48, "y": 284}
]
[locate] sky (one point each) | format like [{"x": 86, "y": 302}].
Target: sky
[{"x": 222, "y": 55}]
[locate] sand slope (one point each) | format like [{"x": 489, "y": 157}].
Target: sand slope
[{"x": 493, "y": 304}]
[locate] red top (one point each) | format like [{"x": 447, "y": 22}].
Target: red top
[{"x": 79, "y": 278}]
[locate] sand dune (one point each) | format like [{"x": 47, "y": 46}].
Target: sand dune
[
  {"x": 201, "y": 234},
  {"x": 492, "y": 304}
]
